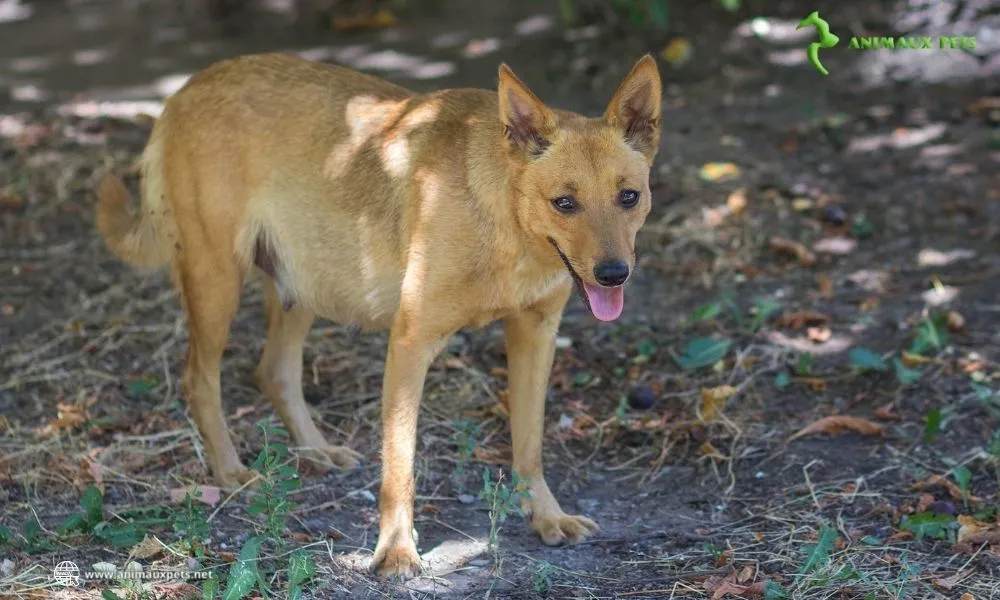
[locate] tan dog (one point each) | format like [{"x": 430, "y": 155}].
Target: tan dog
[{"x": 364, "y": 203}]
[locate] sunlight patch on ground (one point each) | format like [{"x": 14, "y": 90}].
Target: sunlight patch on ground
[
  {"x": 93, "y": 56},
  {"x": 928, "y": 257},
  {"x": 834, "y": 345},
  {"x": 898, "y": 139},
  {"x": 477, "y": 48},
  {"x": 776, "y": 31},
  {"x": 121, "y": 110},
  {"x": 12, "y": 126},
  {"x": 30, "y": 64},
  {"x": 13, "y": 10},
  {"x": 533, "y": 25},
  {"x": 28, "y": 93}
]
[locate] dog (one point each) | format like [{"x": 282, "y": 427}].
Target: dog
[{"x": 364, "y": 203}]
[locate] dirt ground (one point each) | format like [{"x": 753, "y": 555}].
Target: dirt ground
[{"x": 839, "y": 233}]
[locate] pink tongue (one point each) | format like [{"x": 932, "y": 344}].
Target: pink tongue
[{"x": 605, "y": 303}]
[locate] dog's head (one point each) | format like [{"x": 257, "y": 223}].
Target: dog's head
[{"x": 582, "y": 185}]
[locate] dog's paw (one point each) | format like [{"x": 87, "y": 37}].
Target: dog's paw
[
  {"x": 399, "y": 562},
  {"x": 561, "y": 528},
  {"x": 327, "y": 457}
]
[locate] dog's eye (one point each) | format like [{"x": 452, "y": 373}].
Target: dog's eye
[
  {"x": 628, "y": 198},
  {"x": 564, "y": 204}
]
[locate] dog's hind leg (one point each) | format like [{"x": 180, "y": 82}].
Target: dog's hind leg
[
  {"x": 210, "y": 289},
  {"x": 531, "y": 338},
  {"x": 279, "y": 375}
]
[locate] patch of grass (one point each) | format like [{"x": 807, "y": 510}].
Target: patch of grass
[
  {"x": 466, "y": 438},
  {"x": 502, "y": 499},
  {"x": 191, "y": 524}
]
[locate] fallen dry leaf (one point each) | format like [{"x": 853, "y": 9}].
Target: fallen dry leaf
[
  {"x": 713, "y": 400},
  {"x": 428, "y": 509},
  {"x": 379, "y": 20},
  {"x": 946, "y": 583},
  {"x": 937, "y": 481},
  {"x": 802, "y": 318},
  {"x": 925, "y": 501},
  {"x": 737, "y": 201},
  {"x": 724, "y": 586},
  {"x": 885, "y": 413},
  {"x": 716, "y": 171},
  {"x": 818, "y": 334},
  {"x": 791, "y": 247},
  {"x": 210, "y": 494},
  {"x": 967, "y": 596},
  {"x": 147, "y": 548},
  {"x": 975, "y": 533},
  {"x": 837, "y": 424},
  {"x": 825, "y": 285},
  {"x": 677, "y": 52},
  {"x": 802, "y": 204},
  {"x": 955, "y": 320}
]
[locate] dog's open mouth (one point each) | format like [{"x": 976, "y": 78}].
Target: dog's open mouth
[{"x": 606, "y": 303}]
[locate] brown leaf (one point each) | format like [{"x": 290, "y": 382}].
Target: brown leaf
[
  {"x": 785, "y": 246},
  {"x": 885, "y": 413},
  {"x": 802, "y": 318},
  {"x": 837, "y": 424},
  {"x": 746, "y": 574},
  {"x": 901, "y": 536},
  {"x": 955, "y": 320},
  {"x": 379, "y": 20},
  {"x": 825, "y": 285},
  {"x": 946, "y": 583},
  {"x": 302, "y": 537},
  {"x": 429, "y": 509},
  {"x": 737, "y": 201},
  {"x": 975, "y": 532},
  {"x": 818, "y": 334},
  {"x": 967, "y": 596},
  {"x": 147, "y": 548},
  {"x": 937, "y": 481},
  {"x": 722, "y": 587},
  {"x": 713, "y": 400},
  {"x": 210, "y": 494},
  {"x": 925, "y": 501}
]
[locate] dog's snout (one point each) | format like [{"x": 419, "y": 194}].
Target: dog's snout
[{"x": 611, "y": 272}]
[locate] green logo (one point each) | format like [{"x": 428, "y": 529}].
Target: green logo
[{"x": 826, "y": 39}]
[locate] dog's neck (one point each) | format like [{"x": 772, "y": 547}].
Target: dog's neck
[{"x": 493, "y": 180}]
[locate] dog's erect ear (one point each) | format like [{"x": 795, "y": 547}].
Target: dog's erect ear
[
  {"x": 635, "y": 107},
  {"x": 527, "y": 122}
]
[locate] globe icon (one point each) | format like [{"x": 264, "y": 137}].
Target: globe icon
[{"x": 66, "y": 573}]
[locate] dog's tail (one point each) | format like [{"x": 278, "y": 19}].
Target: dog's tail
[{"x": 130, "y": 236}]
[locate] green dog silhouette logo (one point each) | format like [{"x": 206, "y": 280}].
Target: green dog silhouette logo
[{"x": 826, "y": 39}]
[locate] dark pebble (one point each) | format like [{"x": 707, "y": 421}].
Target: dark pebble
[
  {"x": 641, "y": 398},
  {"x": 835, "y": 215},
  {"x": 942, "y": 507}
]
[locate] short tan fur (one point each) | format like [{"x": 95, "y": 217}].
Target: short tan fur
[{"x": 364, "y": 203}]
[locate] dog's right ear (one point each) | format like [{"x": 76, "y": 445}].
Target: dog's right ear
[{"x": 527, "y": 122}]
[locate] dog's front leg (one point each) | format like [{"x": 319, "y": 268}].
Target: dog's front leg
[
  {"x": 410, "y": 355},
  {"x": 531, "y": 337}
]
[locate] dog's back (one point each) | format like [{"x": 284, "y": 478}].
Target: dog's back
[{"x": 259, "y": 149}]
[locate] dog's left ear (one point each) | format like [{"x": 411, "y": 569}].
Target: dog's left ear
[{"x": 635, "y": 107}]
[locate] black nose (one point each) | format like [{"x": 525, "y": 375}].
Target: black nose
[{"x": 611, "y": 272}]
